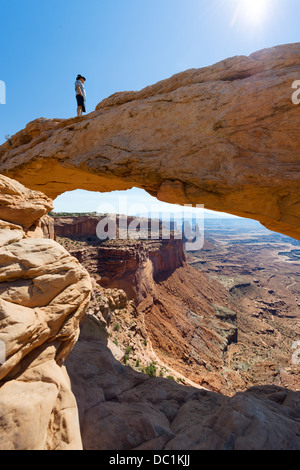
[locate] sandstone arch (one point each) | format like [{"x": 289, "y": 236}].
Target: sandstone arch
[{"x": 226, "y": 136}]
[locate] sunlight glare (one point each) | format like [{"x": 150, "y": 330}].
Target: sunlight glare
[{"x": 255, "y": 11}]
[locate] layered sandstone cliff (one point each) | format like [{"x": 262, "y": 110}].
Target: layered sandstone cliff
[
  {"x": 44, "y": 293},
  {"x": 132, "y": 263},
  {"x": 225, "y": 136},
  {"x": 76, "y": 227}
]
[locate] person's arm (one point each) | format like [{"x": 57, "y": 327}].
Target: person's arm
[{"x": 78, "y": 89}]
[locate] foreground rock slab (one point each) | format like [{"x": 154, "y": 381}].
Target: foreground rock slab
[
  {"x": 226, "y": 136},
  {"x": 121, "y": 409}
]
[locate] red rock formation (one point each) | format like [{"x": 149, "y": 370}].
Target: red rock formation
[
  {"x": 136, "y": 268},
  {"x": 76, "y": 227},
  {"x": 131, "y": 265}
]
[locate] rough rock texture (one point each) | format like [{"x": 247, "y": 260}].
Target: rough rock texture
[
  {"x": 44, "y": 293},
  {"x": 121, "y": 409},
  {"x": 226, "y": 136}
]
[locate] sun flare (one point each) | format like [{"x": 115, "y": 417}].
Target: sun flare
[
  {"x": 252, "y": 11},
  {"x": 255, "y": 10}
]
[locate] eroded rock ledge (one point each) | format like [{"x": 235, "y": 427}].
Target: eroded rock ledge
[{"x": 226, "y": 136}]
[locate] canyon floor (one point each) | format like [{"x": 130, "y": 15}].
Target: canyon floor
[
  {"x": 224, "y": 318},
  {"x": 261, "y": 271}
]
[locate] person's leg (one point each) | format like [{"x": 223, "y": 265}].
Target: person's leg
[{"x": 79, "y": 99}]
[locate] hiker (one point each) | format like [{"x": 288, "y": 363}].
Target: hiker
[{"x": 80, "y": 94}]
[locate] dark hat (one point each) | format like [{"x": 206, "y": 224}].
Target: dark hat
[{"x": 80, "y": 76}]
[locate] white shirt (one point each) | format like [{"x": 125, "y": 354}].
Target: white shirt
[{"x": 79, "y": 84}]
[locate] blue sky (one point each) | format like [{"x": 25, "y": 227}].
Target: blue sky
[{"x": 121, "y": 45}]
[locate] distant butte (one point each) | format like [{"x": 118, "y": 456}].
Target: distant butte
[{"x": 226, "y": 136}]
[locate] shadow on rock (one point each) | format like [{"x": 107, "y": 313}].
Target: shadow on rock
[{"x": 122, "y": 409}]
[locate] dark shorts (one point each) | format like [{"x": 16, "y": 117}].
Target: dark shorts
[{"x": 80, "y": 102}]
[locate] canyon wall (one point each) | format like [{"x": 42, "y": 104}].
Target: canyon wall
[
  {"x": 131, "y": 264},
  {"x": 75, "y": 227}
]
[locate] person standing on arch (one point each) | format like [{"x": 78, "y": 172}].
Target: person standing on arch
[{"x": 80, "y": 95}]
